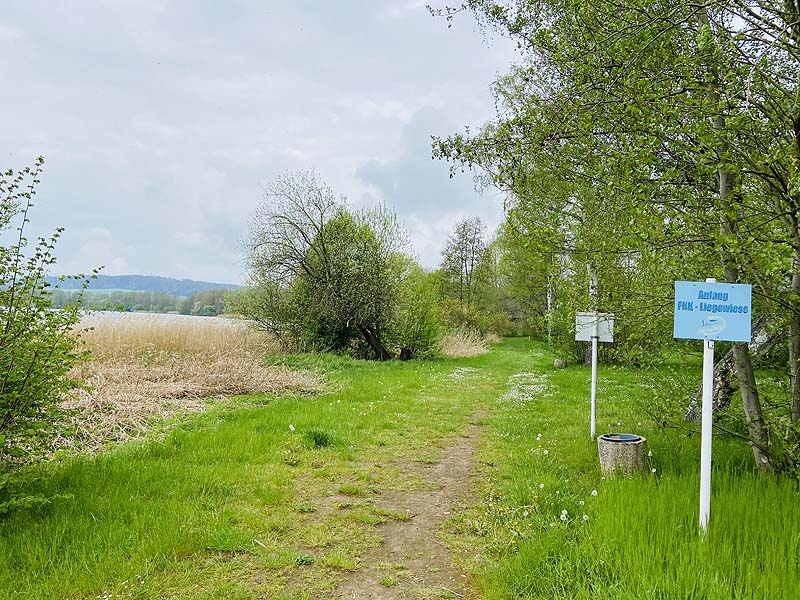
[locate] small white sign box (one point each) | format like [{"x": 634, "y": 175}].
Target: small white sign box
[
  {"x": 594, "y": 327},
  {"x": 584, "y": 326}
]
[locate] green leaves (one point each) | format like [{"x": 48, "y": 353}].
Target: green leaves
[{"x": 37, "y": 348}]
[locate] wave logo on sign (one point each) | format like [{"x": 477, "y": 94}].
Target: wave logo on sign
[{"x": 712, "y": 325}]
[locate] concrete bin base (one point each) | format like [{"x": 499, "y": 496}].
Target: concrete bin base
[{"x": 621, "y": 453}]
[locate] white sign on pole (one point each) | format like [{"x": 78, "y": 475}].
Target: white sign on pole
[
  {"x": 584, "y": 326},
  {"x": 594, "y": 327}
]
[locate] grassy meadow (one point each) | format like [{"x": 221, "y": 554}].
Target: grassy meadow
[
  {"x": 278, "y": 495},
  {"x": 550, "y": 526}
]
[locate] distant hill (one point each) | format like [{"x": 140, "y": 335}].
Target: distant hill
[{"x": 145, "y": 283}]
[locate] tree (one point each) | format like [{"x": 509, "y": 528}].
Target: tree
[
  {"x": 319, "y": 273},
  {"x": 655, "y": 134},
  {"x": 460, "y": 259}
]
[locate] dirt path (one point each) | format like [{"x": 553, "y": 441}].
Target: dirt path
[{"x": 413, "y": 561}]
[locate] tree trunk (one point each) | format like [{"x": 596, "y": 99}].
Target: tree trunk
[
  {"x": 794, "y": 342},
  {"x": 726, "y": 177},
  {"x": 374, "y": 340},
  {"x": 759, "y": 436},
  {"x": 725, "y": 381}
]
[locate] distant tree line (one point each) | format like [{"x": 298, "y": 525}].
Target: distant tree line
[{"x": 207, "y": 303}]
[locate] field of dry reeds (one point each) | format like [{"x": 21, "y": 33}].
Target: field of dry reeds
[
  {"x": 463, "y": 343},
  {"x": 145, "y": 367}
]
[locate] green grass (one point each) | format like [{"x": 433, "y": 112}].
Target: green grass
[
  {"x": 640, "y": 537},
  {"x": 238, "y": 504}
]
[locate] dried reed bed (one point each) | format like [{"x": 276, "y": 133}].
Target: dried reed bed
[
  {"x": 110, "y": 335},
  {"x": 463, "y": 343},
  {"x": 149, "y": 367}
]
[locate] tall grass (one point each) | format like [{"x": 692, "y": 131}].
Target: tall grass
[
  {"x": 463, "y": 343},
  {"x": 109, "y": 335},
  {"x": 146, "y": 367}
]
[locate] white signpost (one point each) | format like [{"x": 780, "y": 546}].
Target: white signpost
[
  {"x": 710, "y": 311},
  {"x": 594, "y": 327}
]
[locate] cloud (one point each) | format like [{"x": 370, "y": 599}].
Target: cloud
[
  {"x": 96, "y": 247},
  {"x": 164, "y": 132},
  {"x": 422, "y": 191}
]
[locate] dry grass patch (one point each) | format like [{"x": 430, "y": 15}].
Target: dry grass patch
[
  {"x": 110, "y": 335},
  {"x": 149, "y": 367},
  {"x": 492, "y": 339},
  {"x": 463, "y": 343}
]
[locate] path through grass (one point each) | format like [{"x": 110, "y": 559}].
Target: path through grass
[
  {"x": 277, "y": 498},
  {"x": 273, "y": 499}
]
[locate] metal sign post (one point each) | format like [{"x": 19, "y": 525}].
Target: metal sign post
[
  {"x": 595, "y": 337},
  {"x": 706, "y": 429},
  {"x": 710, "y": 311},
  {"x": 594, "y": 327}
]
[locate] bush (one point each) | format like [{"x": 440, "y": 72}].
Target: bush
[
  {"x": 415, "y": 329},
  {"x": 37, "y": 349}
]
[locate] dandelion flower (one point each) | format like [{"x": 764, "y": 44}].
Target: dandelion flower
[{"x": 594, "y": 492}]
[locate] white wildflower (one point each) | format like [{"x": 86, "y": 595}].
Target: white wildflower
[
  {"x": 291, "y": 427},
  {"x": 594, "y": 492},
  {"x": 585, "y": 517}
]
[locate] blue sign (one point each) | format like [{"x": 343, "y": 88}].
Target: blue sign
[{"x": 713, "y": 311}]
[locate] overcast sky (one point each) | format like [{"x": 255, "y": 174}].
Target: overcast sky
[{"x": 162, "y": 120}]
